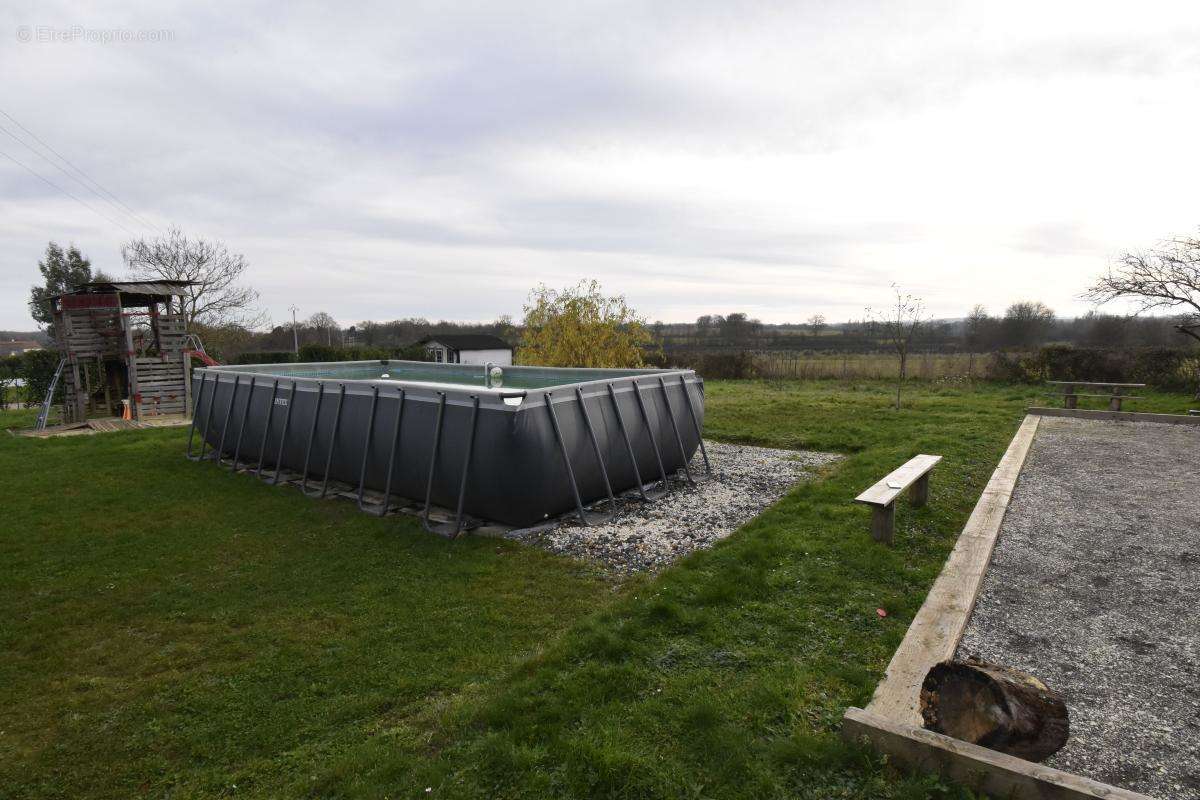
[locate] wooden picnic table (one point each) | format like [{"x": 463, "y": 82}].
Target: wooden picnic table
[{"x": 1114, "y": 395}]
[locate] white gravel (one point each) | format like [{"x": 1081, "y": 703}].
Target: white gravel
[{"x": 648, "y": 536}]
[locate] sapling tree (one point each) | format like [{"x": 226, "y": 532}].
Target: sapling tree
[{"x": 898, "y": 324}]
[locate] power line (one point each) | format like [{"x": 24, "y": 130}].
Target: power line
[
  {"x": 115, "y": 201},
  {"x": 33, "y": 150},
  {"x": 54, "y": 185}
]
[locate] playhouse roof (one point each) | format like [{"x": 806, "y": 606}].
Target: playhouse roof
[{"x": 133, "y": 287}]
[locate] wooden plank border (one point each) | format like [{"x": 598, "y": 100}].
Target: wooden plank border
[
  {"x": 986, "y": 771},
  {"x": 935, "y": 632},
  {"x": 1120, "y": 416}
]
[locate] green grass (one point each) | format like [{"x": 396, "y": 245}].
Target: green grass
[{"x": 169, "y": 629}]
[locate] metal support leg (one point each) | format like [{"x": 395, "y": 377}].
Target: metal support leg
[
  {"x": 387, "y": 486},
  {"x": 287, "y": 423},
  {"x": 337, "y": 424},
  {"x": 212, "y": 400},
  {"x": 466, "y": 468},
  {"x": 262, "y": 445},
  {"x": 687, "y": 397},
  {"x": 446, "y": 530},
  {"x": 637, "y": 393},
  {"x": 362, "y": 472},
  {"x": 637, "y": 473},
  {"x": 237, "y": 448},
  {"x": 228, "y": 417},
  {"x": 195, "y": 408},
  {"x": 433, "y": 456},
  {"x": 562, "y": 446},
  {"x": 312, "y": 433},
  {"x": 674, "y": 427},
  {"x": 587, "y": 423}
]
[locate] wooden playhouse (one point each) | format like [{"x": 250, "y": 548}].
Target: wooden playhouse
[{"x": 125, "y": 348}]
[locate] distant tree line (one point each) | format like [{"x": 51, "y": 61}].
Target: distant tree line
[
  {"x": 397, "y": 337},
  {"x": 580, "y": 324},
  {"x": 1023, "y": 326}
]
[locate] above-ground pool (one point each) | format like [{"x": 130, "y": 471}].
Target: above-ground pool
[{"x": 514, "y": 445}]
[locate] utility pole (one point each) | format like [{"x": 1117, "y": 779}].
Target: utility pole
[{"x": 295, "y": 334}]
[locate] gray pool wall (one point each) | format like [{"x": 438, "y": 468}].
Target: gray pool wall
[{"x": 516, "y": 474}]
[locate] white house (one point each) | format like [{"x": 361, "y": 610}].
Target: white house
[{"x": 468, "y": 348}]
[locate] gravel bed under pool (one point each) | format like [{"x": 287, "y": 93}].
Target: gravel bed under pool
[
  {"x": 1093, "y": 589},
  {"x": 648, "y": 536}
]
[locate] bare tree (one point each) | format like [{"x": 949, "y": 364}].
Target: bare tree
[
  {"x": 817, "y": 323},
  {"x": 323, "y": 321},
  {"x": 1165, "y": 277},
  {"x": 978, "y": 330},
  {"x": 217, "y": 298},
  {"x": 1027, "y": 324},
  {"x": 899, "y": 324}
]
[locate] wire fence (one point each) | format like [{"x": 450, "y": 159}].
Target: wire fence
[{"x": 862, "y": 366}]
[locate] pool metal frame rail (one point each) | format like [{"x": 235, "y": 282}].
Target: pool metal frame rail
[{"x": 448, "y": 529}]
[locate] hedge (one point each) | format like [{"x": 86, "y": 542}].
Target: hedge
[
  {"x": 734, "y": 365},
  {"x": 1172, "y": 369}
]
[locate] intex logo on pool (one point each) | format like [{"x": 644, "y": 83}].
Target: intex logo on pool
[{"x": 281, "y": 401}]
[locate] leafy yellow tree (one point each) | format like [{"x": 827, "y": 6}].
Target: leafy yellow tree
[{"x": 580, "y": 327}]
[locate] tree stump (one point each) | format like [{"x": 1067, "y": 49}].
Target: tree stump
[{"x": 996, "y": 707}]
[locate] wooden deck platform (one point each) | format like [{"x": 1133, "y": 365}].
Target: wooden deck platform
[{"x": 107, "y": 425}]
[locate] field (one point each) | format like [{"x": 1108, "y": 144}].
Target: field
[
  {"x": 810, "y": 366},
  {"x": 170, "y": 629}
]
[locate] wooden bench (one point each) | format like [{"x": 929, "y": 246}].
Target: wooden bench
[
  {"x": 1114, "y": 396},
  {"x": 882, "y": 496}
]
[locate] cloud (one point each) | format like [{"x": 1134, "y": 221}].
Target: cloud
[{"x": 440, "y": 159}]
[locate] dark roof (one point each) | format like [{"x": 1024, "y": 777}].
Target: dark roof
[
  {"x": 135, "y": 287},
  {"x": 143, "y": 290},
  {"x": 468, "y": 341}
]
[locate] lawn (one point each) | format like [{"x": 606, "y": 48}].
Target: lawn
[{"x": 170, "y": 629}]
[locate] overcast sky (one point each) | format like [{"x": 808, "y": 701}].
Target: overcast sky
[{"x": 437, "y": 160}]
